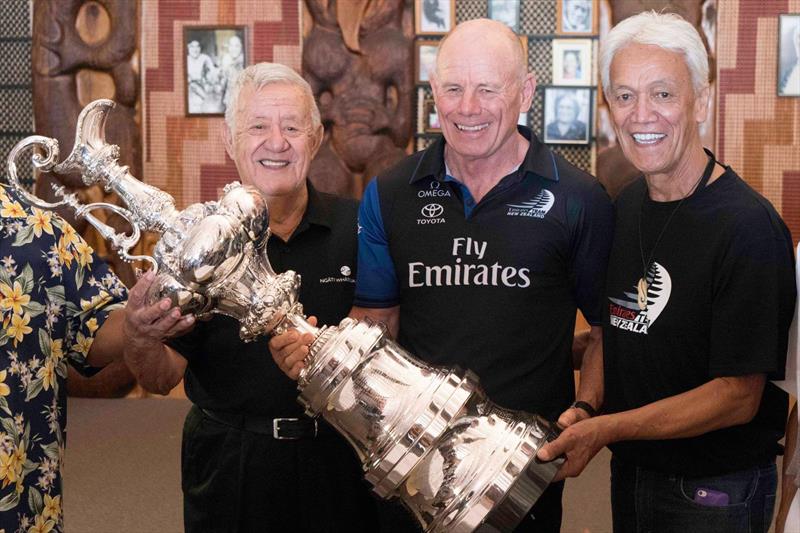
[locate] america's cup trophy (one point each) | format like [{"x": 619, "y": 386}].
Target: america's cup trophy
[{"x": 427, "y": 435}]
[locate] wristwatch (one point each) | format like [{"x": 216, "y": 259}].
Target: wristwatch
[{"x": 586, "y": 406}]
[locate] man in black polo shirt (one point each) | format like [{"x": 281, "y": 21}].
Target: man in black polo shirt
[
  {"x": 251, "y": 461},
  {"x": 477, "y": 251}
]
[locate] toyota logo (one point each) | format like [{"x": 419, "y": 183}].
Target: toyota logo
[{"x": 432, "y": 210}]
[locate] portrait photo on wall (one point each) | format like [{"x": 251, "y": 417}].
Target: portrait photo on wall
[
  {"x": 215, "y": 55},
  {"x": 789, "y": 55},
  {"x": 576, "y": 17},
  {"x": 434, "y": 17},
  {"x": 572, "y": 62},
  {"x": 431, "y": 117},
  {"x": 567, "y": 115},
  {"x": 424, "y": 60},
  {"x": 505, "y": 11}
]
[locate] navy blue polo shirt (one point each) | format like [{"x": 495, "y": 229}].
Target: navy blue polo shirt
[{"x": 492, "y": 286}]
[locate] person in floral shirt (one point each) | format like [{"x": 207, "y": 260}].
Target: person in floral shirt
[{"x": 55, "y": 297}]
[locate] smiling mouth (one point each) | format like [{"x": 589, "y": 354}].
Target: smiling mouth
[
  {"x": 271, "y": 163},
  {"x": 647, "y": 138},
  {"x": 471, "y": 129}
]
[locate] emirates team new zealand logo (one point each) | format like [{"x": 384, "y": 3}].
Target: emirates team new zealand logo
[
  {"x": 536, "y": 207},
  {"x": 625, "y": 312}
]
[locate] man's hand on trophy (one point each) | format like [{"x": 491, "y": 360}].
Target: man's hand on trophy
[
  {"x": 290, "y": 349},
  {"x": 152, "y": 324},
  {"x": 579, "y": 443}
]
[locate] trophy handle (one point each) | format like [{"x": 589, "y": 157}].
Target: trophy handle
[{"x": 43, "y": 162}]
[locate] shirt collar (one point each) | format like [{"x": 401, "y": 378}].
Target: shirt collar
[
  {"x": 539, "y": 160},
  {"x": 318, "y": 212}
]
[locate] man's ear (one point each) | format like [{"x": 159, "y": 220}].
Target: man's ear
[
  {"x": 701, "y": 104},
  {"x": 316, "y": 140},
  {"x": 528, "y": 91},
  {"x": 227, "y": 139}
]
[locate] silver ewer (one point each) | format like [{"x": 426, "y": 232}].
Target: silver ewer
[{"x": 427, "y": 435}]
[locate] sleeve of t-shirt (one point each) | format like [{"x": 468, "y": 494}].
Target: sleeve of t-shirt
[
  {"x": 754, "y": 294},
  {"x": 376, "y": 281},
  {"x": 593, "y": 234}
]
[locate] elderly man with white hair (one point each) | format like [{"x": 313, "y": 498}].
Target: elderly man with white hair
[
  {"x": 251, "y": 460},
  {"x": 700, "y": 295}
]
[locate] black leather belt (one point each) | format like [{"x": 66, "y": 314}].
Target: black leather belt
[{"x": 277, "y": 428}]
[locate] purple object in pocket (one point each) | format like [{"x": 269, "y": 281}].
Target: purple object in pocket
[{"x": 711, "y": 497}]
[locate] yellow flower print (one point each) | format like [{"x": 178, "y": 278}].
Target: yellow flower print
[
  {"x": 42, "y": 525},
  {"x": 83, "y": 344},
  {"x": 47, "y": 374},
  {"x": 64, "y": 253},
  {"x": 97, "y": 300},
  {"x": 83, "y": 252},
  {"x": 52, "y": 507},
  {"x": 12, "y": 210},
  {"x": 13, "y": 298},
  {"x": 19, "y": 327},
  {"x": 92, "y": 324},
  {"x": 57, "y": 349},
  {"x": 5, "y": 390},
  {"x": 11, "y": 465},
  {"x": 40, "y": 221},
  {"x": 69, "y": 235}
]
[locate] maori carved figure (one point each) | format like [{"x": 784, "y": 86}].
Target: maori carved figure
[
  {"x": 84, "y": 50},
  {"x": 358, "y": 61}
]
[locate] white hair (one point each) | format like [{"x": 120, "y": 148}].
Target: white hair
[
  {"x": 263, "y": 74},
  {"x": 665, "y": 30}
]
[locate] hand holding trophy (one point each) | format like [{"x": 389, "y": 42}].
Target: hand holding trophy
[{"x": 425, "y": 434}]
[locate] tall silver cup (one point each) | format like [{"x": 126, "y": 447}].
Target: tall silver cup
[{"x": 427, "y": 435}]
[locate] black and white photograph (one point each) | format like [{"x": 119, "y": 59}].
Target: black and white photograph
[
  {"x": 505, "y": 11},
  {"x": 425, "y": 60},
  {"x": 215, "y": 55},
  {"x": 522, "y": 120},
  {"x": 567, "y": 115},
  {"x": 572, "y": 62},
  {"x": 576, "y": 17},
  {"x": 434, "y": 17},
  {"x": 789, "y": 56}
]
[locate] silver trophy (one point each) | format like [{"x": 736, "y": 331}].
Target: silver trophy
[{"x": 425, "y": 434}]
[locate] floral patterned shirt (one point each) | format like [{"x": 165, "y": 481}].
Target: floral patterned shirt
[{"x": 54, "y": 296}]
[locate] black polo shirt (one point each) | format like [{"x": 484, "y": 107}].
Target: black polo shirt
[
  {"x": 227, "y": 374},
  {"x": 492, "y": 286}
]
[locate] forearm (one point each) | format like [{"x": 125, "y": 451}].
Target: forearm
[
  {"x": 717, "y": 404},
  {"x": 108, "y": 342},
  {"x": 590, "y": 388},
  {"x": 157, "y": 367}
]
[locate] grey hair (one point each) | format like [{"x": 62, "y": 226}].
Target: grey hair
[
  {"x": 665, "y": 30},
  {"x": 263, "y": 74}
]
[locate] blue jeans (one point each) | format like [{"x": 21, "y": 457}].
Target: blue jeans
[{"x": 646, "y": 501}]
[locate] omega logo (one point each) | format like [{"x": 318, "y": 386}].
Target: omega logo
[
  {"x": 434, "y": 190},
  {"x": 432, "y": 210},
  {"x": 435, "y": 184}
]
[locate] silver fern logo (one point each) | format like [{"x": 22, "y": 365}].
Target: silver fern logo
[
  {"x": 624, "y": 313},
  {"x": 536, "y": 207}
]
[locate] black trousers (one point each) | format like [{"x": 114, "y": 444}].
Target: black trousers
[{"x": 239, "y": 481}]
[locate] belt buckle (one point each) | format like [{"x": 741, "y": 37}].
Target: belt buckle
[{"x": 276, "y": 428}]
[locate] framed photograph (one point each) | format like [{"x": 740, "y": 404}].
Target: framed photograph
[
  {"x": 505, "y": 11},
  {"x": 576, "y": 17},
  {"x": 431, "y": 117},
  {"x": 789, "y": 55},
  {"x": 214, "y": 57},
  {"x": 572, "y": 62},
  {"x": 524, "y": 40},
  {"x": 425, "y": 60},
  {"x": 523, "y": 119},
  {"x": 434, "y": 17},
  {"x": 567, "y": 115}
]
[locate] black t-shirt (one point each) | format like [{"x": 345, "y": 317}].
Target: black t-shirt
[
  {"x": 227, "y": 374},
  {"x": 720, "y": 302},
  {"x": 496, "y": 290}
]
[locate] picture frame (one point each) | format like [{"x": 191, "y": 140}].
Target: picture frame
[
  {"x": 213, "y": 57},
  {"x": 424, "y": 59},
  {"x": 523, "y": 119},
  {"x": 572, "y": 62},
  {"x": 576, "y": 17},
  {"x": 434, "y": 17},
  {"x": 567, "y": 115},
  {"x": 505, "y": 11},
  {"x": 430, "y": 117},
  {"x": 788, "y": 75}
]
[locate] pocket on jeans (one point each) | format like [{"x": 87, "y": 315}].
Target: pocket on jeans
[{"x": 739, "y": 486}]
